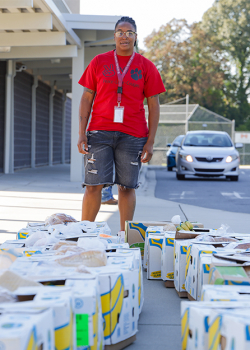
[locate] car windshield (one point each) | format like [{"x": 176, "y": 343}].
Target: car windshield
[{"x": 207, "y": 140}]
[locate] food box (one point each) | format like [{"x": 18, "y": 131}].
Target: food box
[
  {"x": 181, "y": 247},
  {"x": 29, "y": 329},
  {"x": 225, "y": 293},
  {"x": 154, "y": 242},
  {"x": 154, "y": 230},
  {"x": 167, "y": 257}
]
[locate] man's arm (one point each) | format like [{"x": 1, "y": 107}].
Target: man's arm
[
  {"x": 84, "y": 113},
  {"x": 153, "y": 120}
]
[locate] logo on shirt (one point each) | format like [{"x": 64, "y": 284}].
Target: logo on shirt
[
  {"x": 108, "y": 71},
  {"x": 136, "y": 74}
]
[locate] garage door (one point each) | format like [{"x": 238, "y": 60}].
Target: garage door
[
  {"x": 42, "y": 124},
  {"x": 22, "y": 120},
  {"x": 68, "y": 130},
  {"x": 2, "y": 110},
  {"x": 57, "y": 127}
]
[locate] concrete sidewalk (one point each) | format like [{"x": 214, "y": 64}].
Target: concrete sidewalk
[{"x": 34, "y": 194}]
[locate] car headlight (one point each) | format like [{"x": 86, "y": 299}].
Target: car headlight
[
  {"x": 187, "y": 157},
  {"x": 229, "y": 159}
]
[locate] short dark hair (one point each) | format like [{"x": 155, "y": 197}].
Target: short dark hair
[{"x": 126, "y": 19}]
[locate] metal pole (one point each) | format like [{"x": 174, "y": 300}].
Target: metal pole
[
  {"x": 186, "y": 124},
  {"x": 233, "y": 131}
]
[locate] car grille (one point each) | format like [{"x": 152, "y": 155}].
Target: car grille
[
  {"x": 209, "y": 170},
  {"x": 203, "y": 159}
]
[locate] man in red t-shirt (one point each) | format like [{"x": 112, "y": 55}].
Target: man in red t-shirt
[{"x": 115, "y": 85}]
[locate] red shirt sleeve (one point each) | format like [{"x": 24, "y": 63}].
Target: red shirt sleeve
[
  {"x": 88, "y": 79},
  {"x": 153, "y": 82}
]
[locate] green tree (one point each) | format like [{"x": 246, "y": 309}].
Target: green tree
[
  {"x": 189, "y": 63},
  {"x": 228, "y": 24}
]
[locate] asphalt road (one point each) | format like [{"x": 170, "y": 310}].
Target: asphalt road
[{"x": 215, "y": 193}]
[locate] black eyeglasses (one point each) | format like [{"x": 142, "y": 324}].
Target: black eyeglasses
[{"x": 128, "y": 33}]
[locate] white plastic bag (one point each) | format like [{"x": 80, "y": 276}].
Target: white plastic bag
[
  {"x": 176, "y": 219},
  {"x": 92, "y": 244}
]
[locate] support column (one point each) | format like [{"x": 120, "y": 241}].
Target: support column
[
  {"x": 33, "y": 123},
  {"x": 63, "y": 126},
  {"x": 9, "y": 119},
  {"x": 77, "y": 90},
  {"x": 51, "y": 105}
]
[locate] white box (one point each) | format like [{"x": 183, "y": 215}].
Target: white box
[
  {"x": 119, "y": 298},
  {"x": 193, "y": 258},
  {"x": 203, "y": 272},
  {"x": 167, "y": 257},
  {"x": 225, "y": 293},
  {"x": 201, "y": 323},
  {"x": 154, "y": 248},
  {"x": 88, "y": 328},
  {"x": 150, "y": 229},
  {"x": 31, "y": 329},
  {"x": 235, "y": 330},
  {"x": 181, "y": 247}
]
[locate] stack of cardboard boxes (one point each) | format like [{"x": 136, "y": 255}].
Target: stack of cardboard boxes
[
  {"x": 210, "y": 269},
  {"x": 49, "y": 305}
]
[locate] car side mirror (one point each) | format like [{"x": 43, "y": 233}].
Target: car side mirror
[
  {"x": 238, "y": 145},
  {"x": 176, "y": 144},
  {"x": 168, "y": 145}
]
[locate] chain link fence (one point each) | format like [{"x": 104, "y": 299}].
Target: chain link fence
[{"x": 176, "y": 120}]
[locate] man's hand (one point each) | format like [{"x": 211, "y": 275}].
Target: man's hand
[
  {"x": 147, "y": 152},
  {"x": 83, "y": 144}
]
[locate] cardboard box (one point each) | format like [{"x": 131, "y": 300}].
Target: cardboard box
[
  {"x": 195, "y": 251},
  {"x": 135, "y": 233},
  {"x": 122, "y": 254},
  {"x": 229, "y": 275},
  {"x": 149, "y": 230},
  {"x": 197, "y": 329},
  {"x": 119, "y": 299},
  {"x": 181, "y": 247},
  {"x": 88, "y": 327},
  {"x": 229, "y": 329},
  {"x": 154, "y": 242},
  {"x": 167, "y": 257},
  {"x": 182, "y": 234},
  {"x": 225, "y": 293},
  {"x": 191, "y": 273},
  {"x": 29, "y": 329},
  {"x": 203, "y": 272},
  {"x": 235, "y": 330}
]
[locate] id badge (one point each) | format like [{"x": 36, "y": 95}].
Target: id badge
[{"x": 118, "y": 115}]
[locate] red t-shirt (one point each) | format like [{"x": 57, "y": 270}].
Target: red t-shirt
[{"x": 141, "y": 80}]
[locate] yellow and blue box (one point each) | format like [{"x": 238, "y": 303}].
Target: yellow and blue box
[
  {"x": 154, "y": 242},
  {"x": 167, "y": 257}
]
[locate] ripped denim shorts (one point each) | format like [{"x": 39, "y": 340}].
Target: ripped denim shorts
[{"x": 109, "y": 148}]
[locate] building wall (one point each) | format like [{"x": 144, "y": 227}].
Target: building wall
[
  {"x": 42, "y": 124},
  {"x": 22, "y": 120},
  {"x": 57, "y": 127},
  {"x": 2, "y": 110}
]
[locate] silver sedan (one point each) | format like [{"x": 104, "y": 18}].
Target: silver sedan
[{"x": 207, "y": 153}]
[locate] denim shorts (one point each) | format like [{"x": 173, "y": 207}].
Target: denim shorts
[{"x": 109, "y": 148}]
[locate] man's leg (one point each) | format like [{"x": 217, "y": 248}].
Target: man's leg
[
  {"x": 126, "y": 204},
  {"x": 91, "y": 202}
]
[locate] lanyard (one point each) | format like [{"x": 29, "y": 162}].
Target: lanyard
[{"x": 121, "y": 76}]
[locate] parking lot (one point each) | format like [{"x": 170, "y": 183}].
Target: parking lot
[{"x": 214, "y": 193}]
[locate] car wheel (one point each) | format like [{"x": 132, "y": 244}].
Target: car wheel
[
  {"x": 180, "y": 177},
  {"x": 170, "y": 168},
  {"x": 234, "y": 178}
]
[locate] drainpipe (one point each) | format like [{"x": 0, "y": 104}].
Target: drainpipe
[
  {"x": 51, "y": 105},
  {"x": 33, "y": 123}
]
